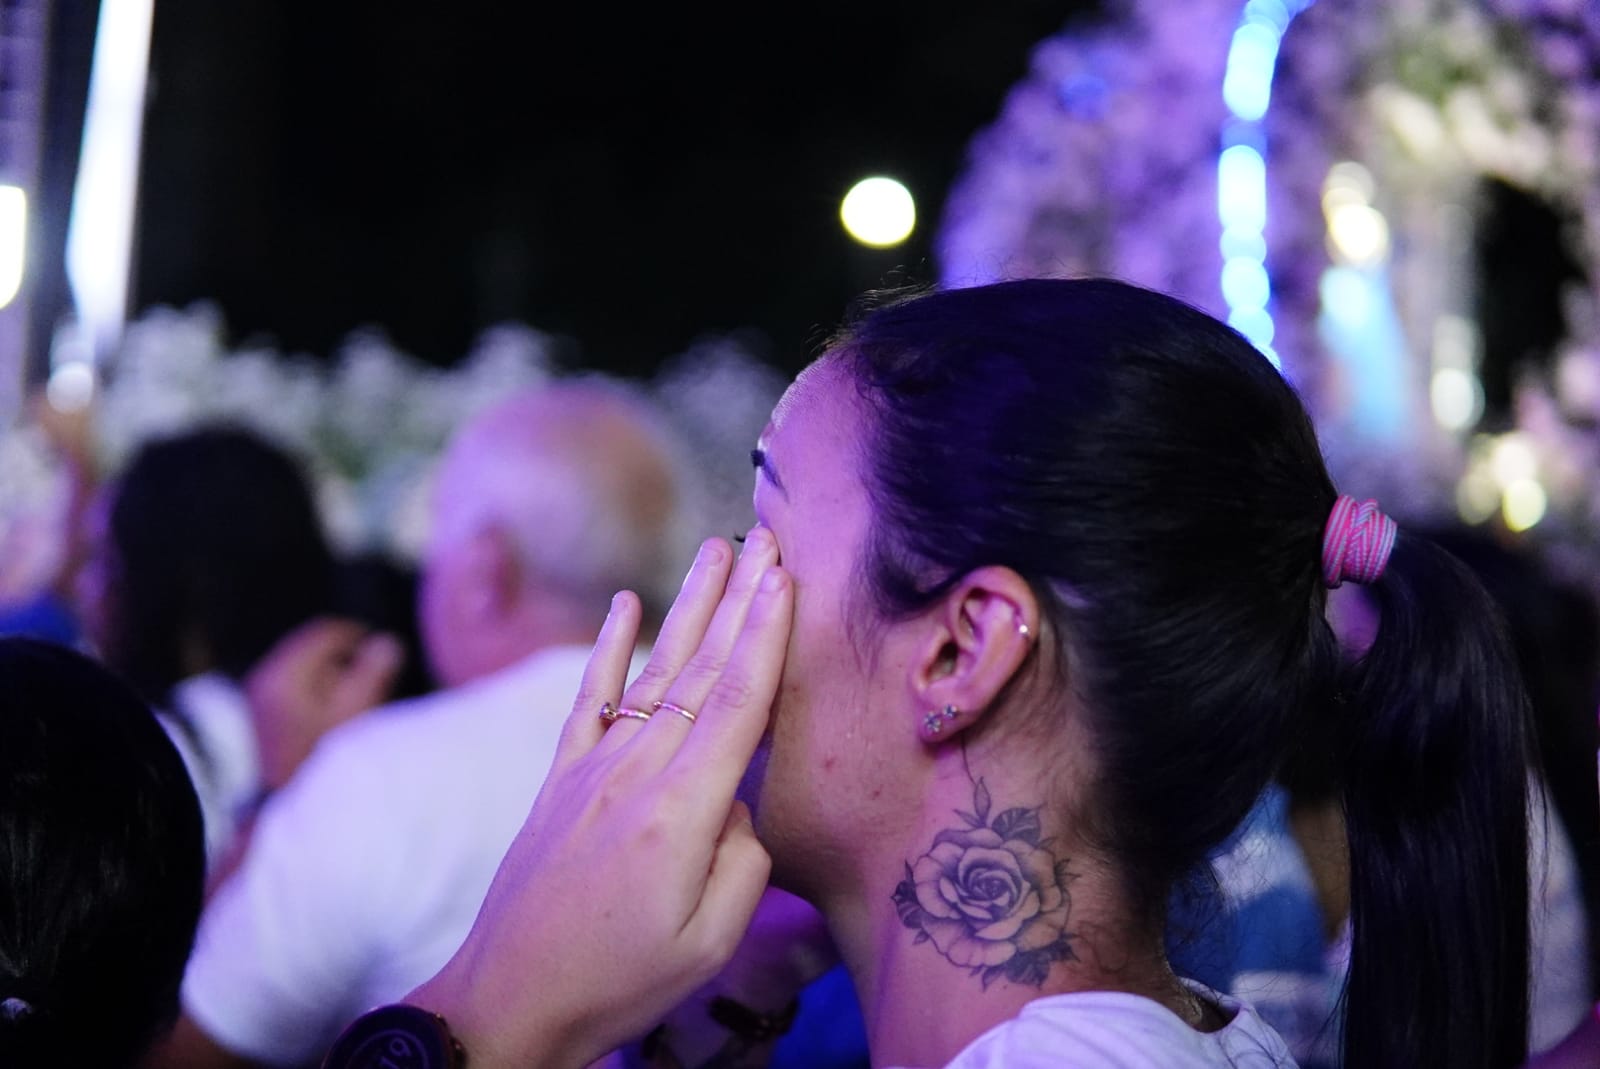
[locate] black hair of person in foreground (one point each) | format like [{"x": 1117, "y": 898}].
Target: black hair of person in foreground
[{"x": 102, "y": 864}]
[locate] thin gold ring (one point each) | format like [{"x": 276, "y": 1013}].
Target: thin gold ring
[
  {"x": 608, "y": 714},
  {"x": 673, "y": 707},
  {"x": 623, "y": 712}
]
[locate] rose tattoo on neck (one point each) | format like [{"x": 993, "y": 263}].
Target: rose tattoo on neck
[{"x": 990, "y": 896}]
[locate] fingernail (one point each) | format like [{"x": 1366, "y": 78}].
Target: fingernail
[
  {"x": 616, "y": 603},
  {"x": 710, "y": 553},
  {"x": 773, "y": 581}
]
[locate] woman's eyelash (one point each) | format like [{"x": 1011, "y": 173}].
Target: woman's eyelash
[{"x": 739, "y": 538}]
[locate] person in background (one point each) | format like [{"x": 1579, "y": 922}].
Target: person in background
[
  {"x": 366, "y": 871},
  {"x": 379, "y": 589},
  {"x": 203, "y": 554},
  {"x": 1251, "y": 924},
  {"x": 38, "y": 602},
  {"x": 102, "y": 864}
]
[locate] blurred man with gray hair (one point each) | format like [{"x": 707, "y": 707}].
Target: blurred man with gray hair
[{"x": 366, "y": 872}]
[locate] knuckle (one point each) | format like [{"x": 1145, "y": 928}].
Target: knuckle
[
  {"x": 607, "y": 798},
  {"x": 706, "y": 664},
  {"x": 653, "y": 674},
  {"x": 732, "y": 691},
  {"x": 716, "y": 947},
  {"x": 587, "y": 701},
  {"x": 651, "y": 833}
]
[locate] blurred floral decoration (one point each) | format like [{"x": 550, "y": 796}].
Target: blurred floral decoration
[
  {"x": 1319, "y": 173},
  {"x": 367, "y": 424}
]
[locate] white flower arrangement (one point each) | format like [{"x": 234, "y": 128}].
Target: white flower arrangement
[{"x": 368, "y": 424}]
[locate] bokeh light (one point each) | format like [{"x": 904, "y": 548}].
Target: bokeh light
[
  {"x": 71, "y": 387},
  {"x": 1513, "y": 460},
  {"x": 878, "y": 212},
  {"x": 1477, "y": 497},
  {"x": 1242, "y": 167},
  {"x": 1457, "y": 398},
  {"x": 13, "y": 241},
  {"x": 1359, "y": 234},
  {"x": 1525, "y": 503}
]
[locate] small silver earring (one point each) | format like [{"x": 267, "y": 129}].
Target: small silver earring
[{"x": 933, "y": 723}]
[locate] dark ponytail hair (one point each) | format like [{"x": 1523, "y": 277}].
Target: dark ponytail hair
[
  {"x": 1160, "y": 487},
  {"x": 1435, "y": 779}
]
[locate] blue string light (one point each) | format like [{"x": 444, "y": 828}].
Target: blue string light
[{"x": 1242, "y": 168}]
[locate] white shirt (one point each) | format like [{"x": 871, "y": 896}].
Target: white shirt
[
  {"x": 219, "y": 749},
  {"x": 366, "y": 872},
  {"x": 1113, "y": 1030},
  {"x": 1558, "y": 930}
]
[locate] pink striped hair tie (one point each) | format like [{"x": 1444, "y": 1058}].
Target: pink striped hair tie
[{"x": 1356, "y": 543}]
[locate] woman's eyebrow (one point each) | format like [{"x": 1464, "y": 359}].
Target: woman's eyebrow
[{"x": 762, "y": 461}]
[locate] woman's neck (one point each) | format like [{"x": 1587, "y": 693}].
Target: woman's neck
[{"x": 988, "y": 911}]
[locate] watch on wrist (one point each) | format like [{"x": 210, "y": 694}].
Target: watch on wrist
[{"x": 396, "y": 1037}]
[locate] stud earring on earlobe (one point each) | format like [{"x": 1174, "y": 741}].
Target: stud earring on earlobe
[{"x": 933, "y": 723}]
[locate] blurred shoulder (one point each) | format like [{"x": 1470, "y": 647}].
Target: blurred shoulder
[{"x": 499, "y": 716}]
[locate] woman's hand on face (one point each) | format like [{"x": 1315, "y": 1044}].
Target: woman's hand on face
[{"x": 636, "y": 873}]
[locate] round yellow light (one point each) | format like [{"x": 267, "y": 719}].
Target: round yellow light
[
  {"x": 1477, "y": 497},
  {"x": 878, "y": 212},
  {"x": 1524, "y": 505},
  {"x": 1358, "y": 234}
]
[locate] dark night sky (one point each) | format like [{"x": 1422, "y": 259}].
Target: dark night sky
[{"x": 629, "y": 176}]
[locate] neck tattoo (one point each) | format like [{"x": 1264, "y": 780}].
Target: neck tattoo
[{"x": 991, "y": 895}]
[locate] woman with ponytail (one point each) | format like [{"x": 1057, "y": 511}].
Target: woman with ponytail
[{"x": 1060, "y": 553}]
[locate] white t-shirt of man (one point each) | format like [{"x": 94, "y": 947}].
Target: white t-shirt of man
[
  {"x": 1113, "y": 1030},
  {"x": 366, "y": 872}
]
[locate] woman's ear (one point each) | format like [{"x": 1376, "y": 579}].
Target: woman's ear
[{"x": 982, "y": 632}]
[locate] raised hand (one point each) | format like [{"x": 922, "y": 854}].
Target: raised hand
[
  {"x": 636, "y": 872},
  {"x": 315, "y": 678}
]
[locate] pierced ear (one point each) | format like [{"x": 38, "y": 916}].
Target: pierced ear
[{"x": 984, "y": 630}]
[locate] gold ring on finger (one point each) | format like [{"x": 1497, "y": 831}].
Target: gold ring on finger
[
  {"x": 624, "y": 713},
  {"x": 673, "y": 707}
]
